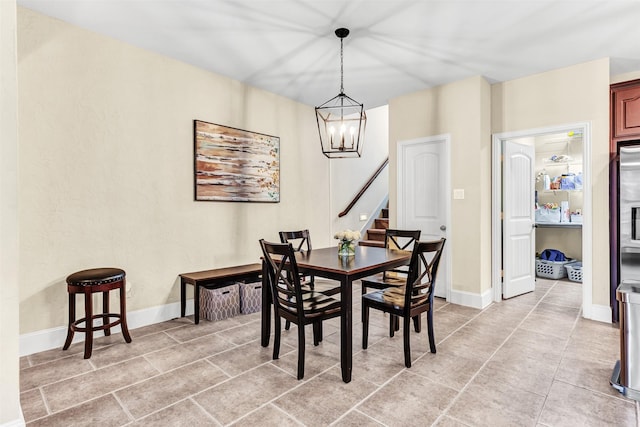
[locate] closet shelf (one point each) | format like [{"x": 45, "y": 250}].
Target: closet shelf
[{"x": 558, "y": 225}]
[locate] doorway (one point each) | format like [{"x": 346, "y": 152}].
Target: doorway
[
  {"x": 423, "y": 196},
  {"x": 498, "y": 267}
]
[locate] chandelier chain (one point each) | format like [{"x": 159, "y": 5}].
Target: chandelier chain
[{"x": 341, "y": 69}]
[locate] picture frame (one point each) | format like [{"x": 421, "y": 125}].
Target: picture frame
[{"x": 235, "y": 165}]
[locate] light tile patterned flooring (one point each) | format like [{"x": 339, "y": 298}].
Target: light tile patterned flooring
[{"x": 529, "y": 361}]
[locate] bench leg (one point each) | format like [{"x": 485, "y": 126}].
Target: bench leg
[{"x": 196, "y": 304}]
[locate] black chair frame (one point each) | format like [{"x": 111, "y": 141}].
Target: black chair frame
[
  {"x": 412, "y": 300},
  {"x": 293, "y": 303}
]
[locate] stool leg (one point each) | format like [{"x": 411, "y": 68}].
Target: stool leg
[
  {"x": 105, "y": 310},
  {"x": 72, "y": 319},
  {"x": 88, "y": 309},
  {"x": 123, "y": 313}
]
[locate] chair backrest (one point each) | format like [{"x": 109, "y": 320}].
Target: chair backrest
[
  {"x": 284, "y": 278},
  {"x": 300, "y": 240},
  {"x": 401, "y": 239},
  {"x": 421, "y": 278}
]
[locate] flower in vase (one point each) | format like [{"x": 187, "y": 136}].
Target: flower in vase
[{"x": 346, "y": 245}]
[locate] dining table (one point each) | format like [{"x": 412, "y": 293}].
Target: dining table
[{"x": 326, "y": 262}]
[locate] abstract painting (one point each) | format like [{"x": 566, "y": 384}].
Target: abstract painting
[{"x": 235, "y": 165}]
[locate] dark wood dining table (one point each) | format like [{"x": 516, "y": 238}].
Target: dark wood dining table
[{"x": 326, "y": 263}]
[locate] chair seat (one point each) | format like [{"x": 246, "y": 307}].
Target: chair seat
[
  {"x": 314, "y": 301},
  {"x": 385, "y": 280},
  {"x": 393, "y": 297},
  {"x": 325, "y": 286},
  {"x": 95, "y": 276}
]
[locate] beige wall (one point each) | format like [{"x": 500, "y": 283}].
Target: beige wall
[
  {"x": 106, "y": 168},
  {"x": 574, "y": 94},
  {"x": 461, "y": 109},
  {"x": 471, "y": 110},
  {"x": 10, "y": 413},
  {"x": 350, "y": 174}
]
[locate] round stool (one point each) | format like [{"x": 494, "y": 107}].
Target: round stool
[{"x": 88, "y": 282}]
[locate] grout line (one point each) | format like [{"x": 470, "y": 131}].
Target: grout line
[
  {"x": 123, "y": 406},
  {"x": 44, "y": 400},
  {"x": 355, "y": 407},
  {"x": 562, "y": 354},
  {"x": 473, "y": 377}
]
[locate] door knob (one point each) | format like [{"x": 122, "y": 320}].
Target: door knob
[{"x": 443, "y": 227}]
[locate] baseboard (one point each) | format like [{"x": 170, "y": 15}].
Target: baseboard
[
  {"x": 15, "y": 423},
  {"x": 470, "y": 299},
  {"x": 48, "y": 339},
  {"x": 600, "y": 313}
]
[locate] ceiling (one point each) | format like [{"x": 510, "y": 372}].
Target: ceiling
[{"x": 395, "y": 47}]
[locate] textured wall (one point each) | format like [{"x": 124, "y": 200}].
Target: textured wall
[
  {"x": 458, "y": 109},
  {"x": 106, "y": 168},
  {"x": 574, "y": 94}
]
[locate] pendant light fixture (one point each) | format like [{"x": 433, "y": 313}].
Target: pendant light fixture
[{"x": 341, "y": 120}]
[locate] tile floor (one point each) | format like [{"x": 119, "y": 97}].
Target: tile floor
[{"x": 529, "y": 361}]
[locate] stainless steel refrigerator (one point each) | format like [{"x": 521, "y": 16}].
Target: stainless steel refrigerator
[{"x": 626, "y": 374}]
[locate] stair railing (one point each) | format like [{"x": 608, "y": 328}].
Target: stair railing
[{"x": 364, "y": 188}]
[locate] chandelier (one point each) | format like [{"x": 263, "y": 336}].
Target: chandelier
[{"x": 341, "y": 120}]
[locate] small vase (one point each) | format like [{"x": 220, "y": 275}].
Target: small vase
[{"x": 346, "y": 248}]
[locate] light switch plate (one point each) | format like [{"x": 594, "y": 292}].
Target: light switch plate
[
  {"x": 458, "y": 193},
  {"x": 363, "y": 217}
]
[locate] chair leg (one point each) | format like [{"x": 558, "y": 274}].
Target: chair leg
[
  {"x": 394, "y": 325},
  {"x": 300, "y": 351},
  {"x": 417, "y": 323},
  {"x": 72, "y": 319},
  {"x": 276, "y": 338},
  {"x": 88, "y": 310},
  {"x": 123, "y": 314},
  {"x": 406, "y": 332},
  {"x": 287, "y": 325},
  {"x": 432, "y": 341},
  {"x": 365, "y": 326},
  {"x": 317, "y": 333},
  {"x": 105, "y": 310}
]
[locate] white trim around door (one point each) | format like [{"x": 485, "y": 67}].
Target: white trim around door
[
  {"x": 588, "y": 310},
  {"x": 445, "y": 140}
]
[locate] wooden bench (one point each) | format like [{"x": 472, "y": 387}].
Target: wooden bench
[{"x": 212, "y": 279}]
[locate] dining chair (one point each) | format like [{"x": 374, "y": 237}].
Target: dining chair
[
  {"x": 393, "y": 239},
  {"x": 301, "y": 241},
  {"x": 293, "y": 303},
  {"x": 411, "y": 300}
]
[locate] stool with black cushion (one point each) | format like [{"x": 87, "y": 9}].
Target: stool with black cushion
[{"x": 89, "y": 282}]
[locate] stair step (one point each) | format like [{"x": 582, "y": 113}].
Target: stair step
[
  {"x": 381, "y": 223},
  {"x": 376, "y": 234},
  {"x": 384, "y": 213},
  {"x": 375, "y": 243}
]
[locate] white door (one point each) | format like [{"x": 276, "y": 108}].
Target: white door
[
  {"x": 423, "y": 186},
  {"x": 518, "y": 236}
]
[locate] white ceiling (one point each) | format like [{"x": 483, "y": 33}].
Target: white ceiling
[{"x": 395, "y": 47}]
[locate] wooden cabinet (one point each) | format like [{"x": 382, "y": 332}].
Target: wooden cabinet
[
  {"x": 625, "y": 104},
  {"x": 625, "y": 127}
]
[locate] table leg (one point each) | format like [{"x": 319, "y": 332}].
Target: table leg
[
  {"x": 183, "y": 298},
  {"x": 346, "y": 342},
  {"x": 266, "y": 307}
]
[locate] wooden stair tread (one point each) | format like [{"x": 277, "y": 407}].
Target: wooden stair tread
[{"x": 375, "y": 243}]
